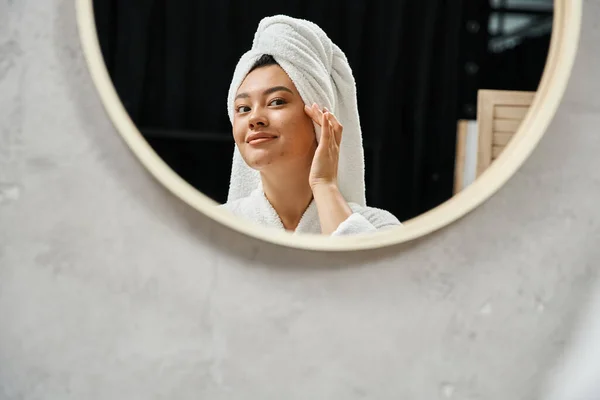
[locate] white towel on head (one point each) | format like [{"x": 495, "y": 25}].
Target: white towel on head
[{"x": 322, "y": 75}]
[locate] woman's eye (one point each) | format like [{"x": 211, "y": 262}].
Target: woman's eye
[
  {"x": 277, "y": 102},
  {"x": 242, "y": 109}
]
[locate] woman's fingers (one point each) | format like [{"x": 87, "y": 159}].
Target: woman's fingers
[
  {"x": 336, "y": 127},
  {"x": 325, "y": 119},
  {"x": 326, "y": 129},
  {"x": 315, "y": 113},
  {"x": 310, "y": 112}
]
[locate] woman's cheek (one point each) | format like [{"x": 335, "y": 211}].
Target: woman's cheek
[{"x": 237, "y": 132}]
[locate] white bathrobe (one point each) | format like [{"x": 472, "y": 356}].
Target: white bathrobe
[
  {"x": 321, "y": 73},
  {"x": 256, "y": 208}
]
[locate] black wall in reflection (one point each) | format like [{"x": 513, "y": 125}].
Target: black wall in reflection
[{"x": 172, "y": 62}]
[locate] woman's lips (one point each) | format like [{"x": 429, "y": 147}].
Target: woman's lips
[{"x": 261, "y": 140}]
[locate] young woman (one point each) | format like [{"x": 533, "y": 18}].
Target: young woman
[{"x": 290, "y": 155}]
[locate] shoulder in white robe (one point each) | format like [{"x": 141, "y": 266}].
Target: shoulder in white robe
[{"x": 256, "y": 208}]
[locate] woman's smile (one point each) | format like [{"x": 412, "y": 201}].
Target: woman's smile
[
  {"x": 255, "y": 142},
  {"x": 257, "y": 138}
]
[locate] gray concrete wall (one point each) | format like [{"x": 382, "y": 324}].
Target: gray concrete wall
[{"x": 111, "y": 288}]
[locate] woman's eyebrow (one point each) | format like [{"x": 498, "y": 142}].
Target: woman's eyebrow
[
  {"x": 276, "y": 89},
  {"x": 266, "y": 92}
]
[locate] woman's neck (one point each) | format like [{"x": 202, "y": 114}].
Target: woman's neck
[{"x": 289, "y": 193}]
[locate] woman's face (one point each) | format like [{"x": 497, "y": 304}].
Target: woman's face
[{"x": 270, "y": 126}]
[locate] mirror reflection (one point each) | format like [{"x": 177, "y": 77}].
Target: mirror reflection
[{"x": 335, "y": 117}]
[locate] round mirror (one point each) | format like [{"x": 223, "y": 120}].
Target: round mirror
[{"x": 333, "y": 126}]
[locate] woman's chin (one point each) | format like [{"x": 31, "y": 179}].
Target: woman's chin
[{"x": 260, "y": 163}]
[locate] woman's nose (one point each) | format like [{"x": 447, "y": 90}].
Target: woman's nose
[{"x": 258, "y": 120}]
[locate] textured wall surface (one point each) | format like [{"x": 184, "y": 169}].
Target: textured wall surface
[{"x": 111, "y": 288}]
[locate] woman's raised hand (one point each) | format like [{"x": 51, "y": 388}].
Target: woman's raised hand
[{"x": 324, "y": 169}]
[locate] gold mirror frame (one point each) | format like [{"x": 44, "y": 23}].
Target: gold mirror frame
[{"x": 563, "y": 48}]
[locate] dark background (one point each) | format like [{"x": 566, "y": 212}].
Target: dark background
[{"x": 418, "y": 66}]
